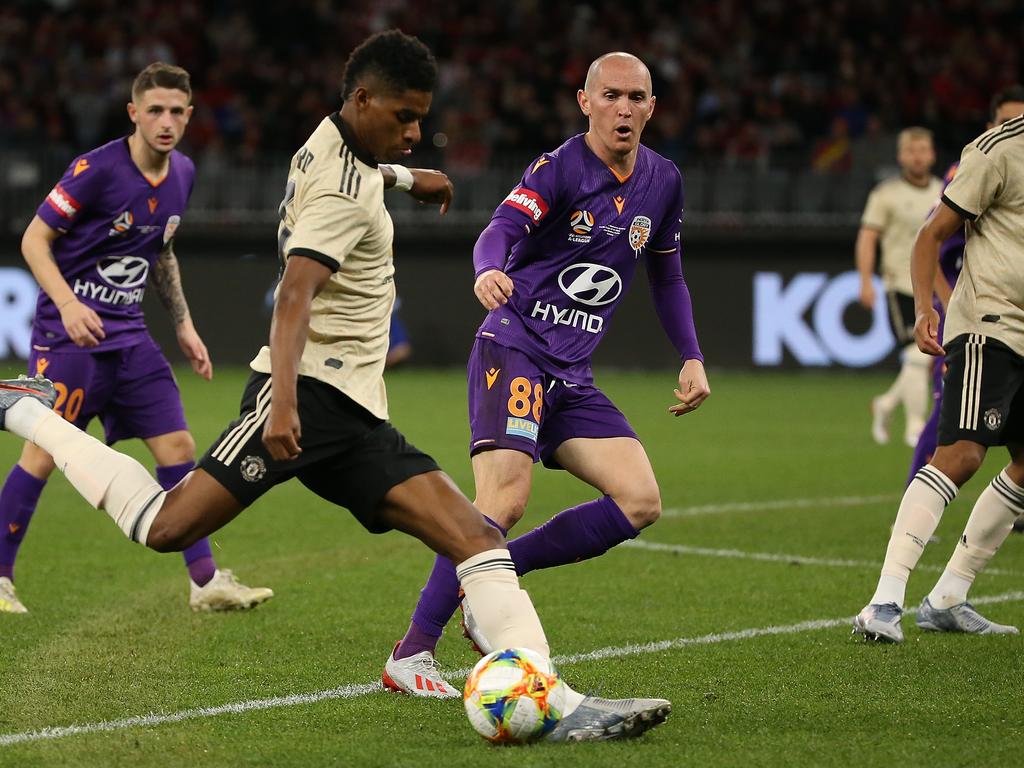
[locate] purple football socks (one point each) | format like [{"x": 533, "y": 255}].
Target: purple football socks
[
  {"x": 575, "y": 534},
  {"x": 198, "y": 557},
  {"x": 18, "y": 501}
]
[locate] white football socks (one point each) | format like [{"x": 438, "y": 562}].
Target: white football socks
[
  {"x": 915, "y": 389},
  {"x": 923, "y": 503},
  {"x": 987, "y": 528},
  {"x": 105, "y": 478}
]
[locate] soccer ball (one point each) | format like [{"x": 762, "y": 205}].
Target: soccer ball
[{"x": 514, "y": 696}]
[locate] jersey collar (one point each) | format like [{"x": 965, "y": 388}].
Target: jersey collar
[{"x": 349, "y": 137}]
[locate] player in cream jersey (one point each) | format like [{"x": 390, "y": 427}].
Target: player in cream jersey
[
  {"x": 983, "y": 390},
  {"x": 892, "y": 216},
  {"x": 345, "y": 226}
]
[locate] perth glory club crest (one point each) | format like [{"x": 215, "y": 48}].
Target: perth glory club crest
[{"x": 639, "y": 232}]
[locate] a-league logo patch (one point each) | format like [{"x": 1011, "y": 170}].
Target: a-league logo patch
[
  {"x": 639, "y": 233},
  {"x": 253, "y": 468},
  {"x": 993, "y": 419}
]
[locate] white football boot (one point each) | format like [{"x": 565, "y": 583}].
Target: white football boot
[
  {"x": 960, "y": 618},
  {"x": 597, "y": 719},
  {"x": 417, "y": 675},
  {"x": 879, "y": 622},
  {"x": 881, "y": 414},
  {"x": 9, "y": 602},
  {"x": 224, "y": 592}
]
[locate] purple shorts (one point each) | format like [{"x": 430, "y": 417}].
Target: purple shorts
[
  {"x": 514, "y": 404},
  {"x": 132, "y": 390}
]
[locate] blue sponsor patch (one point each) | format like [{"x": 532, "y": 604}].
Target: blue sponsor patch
[{"x": 521, "y": 427}]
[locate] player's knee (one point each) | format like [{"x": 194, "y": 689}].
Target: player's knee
[
  {"x": 641, "y": 506},
  {"x": 176, "y": 448},
  {"x": 168, "y": 535},
  {"x": 960, "y": 461}
]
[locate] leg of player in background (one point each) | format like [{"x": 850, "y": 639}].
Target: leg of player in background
[
  {"x": 211, "y": 589},
  {"x": 926, "y": 498},
  {"x": 914, "y": 391},
  {"x": 18, "y": 501},
  {"x": 928, "y": 440},
  {"x": 997, "y": 508}
]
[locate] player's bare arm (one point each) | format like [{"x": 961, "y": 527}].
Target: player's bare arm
[
  {"x": 924, "y": 265},
  {"x": 428, "y": 186},
  {"x": 303, "y": 279},
  {"x": 865, "y": 255},
  {"x": 693, "y": 388},
  {"x": 82, "y": 324},
  {"x": 167, "y": 280}
]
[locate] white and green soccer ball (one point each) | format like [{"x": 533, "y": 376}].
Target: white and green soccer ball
[{"x": 514, "y": 696}]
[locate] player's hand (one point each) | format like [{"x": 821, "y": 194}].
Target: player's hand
[
  {"x": 432, "y": 187},
  {"x": 82, "y": 324},
  {"x": 926, "y": 332},
  {"x": 194, "y": 349},
  {"x": 493, "y": 288},
  {"x": 693, "y": 388},
  {"x": 867, "y": 295},
  {"x": 282, "y": 432}
]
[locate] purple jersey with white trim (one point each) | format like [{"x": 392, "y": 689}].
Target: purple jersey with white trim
[
  {"x": 587, "y": 229},
  {"x": 951, "y": 252},
  {"x": 114, "y": 223}
]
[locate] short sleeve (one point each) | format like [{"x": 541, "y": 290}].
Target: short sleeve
[
  {"x": 666, "y": 239},
  {"x": 327, "y": 228},
  {"x": 876, "y": 212},
  {"x": 976, "y": 184},
  {"x": 79, "y": 188},
  {"x": 535, "y": 195}
]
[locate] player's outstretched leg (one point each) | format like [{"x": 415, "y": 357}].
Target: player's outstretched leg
[
  {"x": 430, "y": 507},
  {"x": 167, "y": 521}
]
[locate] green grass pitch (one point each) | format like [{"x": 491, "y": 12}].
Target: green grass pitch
[{"x": 110, "y": 635}]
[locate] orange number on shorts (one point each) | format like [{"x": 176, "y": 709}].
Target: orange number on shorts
[
  {"x": 519, "y": 402},
  {"x": 72, "y": 400}
]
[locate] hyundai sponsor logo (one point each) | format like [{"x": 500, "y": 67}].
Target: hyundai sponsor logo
[{"x": 591, "y": 284}]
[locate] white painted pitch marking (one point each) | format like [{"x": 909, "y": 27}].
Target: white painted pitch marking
[
  {"x": 773, "y": 557},
  {"x": 362, "y": 689},
  {"x": 767, "y": 506}
]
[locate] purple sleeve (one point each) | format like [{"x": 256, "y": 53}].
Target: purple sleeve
[
  {"x": 78, "y": 188},
  {"x": 672, "y": 303},
  {"x": 495, "y": 243}
]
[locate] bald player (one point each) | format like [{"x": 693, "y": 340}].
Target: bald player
[
  {"x": 551, "y": 268},
  {"x": 892, "y": 216}
]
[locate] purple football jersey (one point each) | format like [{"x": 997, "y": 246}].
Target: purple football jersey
[
  {"x": 587, "y": 230},
  {"x": 113, "y": 223}
]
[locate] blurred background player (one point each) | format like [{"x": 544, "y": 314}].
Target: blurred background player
[
  {"x": 315, "y": 407},
  {"x": 111, "y": 219},
  {"x": 399, "y": 345},
  {"x": 551, "y": 268},
  {"x": 891, "y": 218},
  {"x": 1005, "y": 105},
  {"x": 983, "y": 399}
]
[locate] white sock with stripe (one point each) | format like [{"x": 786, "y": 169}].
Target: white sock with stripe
[
  {"x": 923, "y": 503},
  {"x": 105, "y": 478},
  {"x": 502, "y": 610},
  {"x": 990, "y": 523}
]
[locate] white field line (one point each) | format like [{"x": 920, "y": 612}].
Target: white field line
[
  {"x": 362, "y": 689},
  {"x": 767, "y": 506},
  {"x": 773, "y": 557}
]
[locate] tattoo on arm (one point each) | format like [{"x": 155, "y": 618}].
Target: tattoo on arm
[{"x": 167, "y": 279}]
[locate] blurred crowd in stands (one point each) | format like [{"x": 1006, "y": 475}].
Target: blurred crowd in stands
[{"x": 763, "y": 83}]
